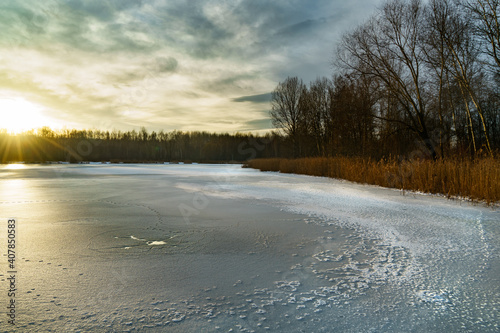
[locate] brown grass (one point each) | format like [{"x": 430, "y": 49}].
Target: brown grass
[{"x": 477, "y": 180}]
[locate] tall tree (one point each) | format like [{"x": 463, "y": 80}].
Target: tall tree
[
  {"x": 388, "y": 48},
  {"x": 485, "y": 14},
  {"x": 465, "y": 64},
  {"x": 286, "y": 112}
]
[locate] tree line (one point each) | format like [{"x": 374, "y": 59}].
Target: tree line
[
  {"x": 42, "y": 145},
  {"x": 415, "y": 78}
]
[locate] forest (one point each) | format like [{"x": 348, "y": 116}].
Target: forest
[
  {"x": 44, "y": 145},
  {"x": 415, "y": 80}
]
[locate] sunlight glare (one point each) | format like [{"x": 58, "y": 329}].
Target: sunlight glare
[
  {"x": 15, "y": 166},
  {"x": 20, "y": 115}
]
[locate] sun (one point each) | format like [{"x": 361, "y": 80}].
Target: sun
[{"x": 19, "y": 114}]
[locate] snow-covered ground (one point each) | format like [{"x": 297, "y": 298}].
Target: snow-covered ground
[{"x": 218, "y": 248}]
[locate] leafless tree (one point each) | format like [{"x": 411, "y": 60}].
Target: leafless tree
[
  {"x": 437, "y": 56},
  {"x": 285, "y": 111},
  {"x": 351, "y": 115},
  {"x": 485, "y": 15},
  {"x": 388, "y": 48},
  {"x": 317, "y": 105},
  {"x": 464, "y": 65}
]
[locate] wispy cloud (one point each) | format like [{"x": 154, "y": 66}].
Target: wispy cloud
[
  {"x": 188, "y": 65},
  {"x": 261, "y": 98}
]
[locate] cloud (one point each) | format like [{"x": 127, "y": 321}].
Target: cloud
[
  {"x": 163, "y": 64},
  {"x": 264, "y": 123},
  {"x": 261, "y": 98},
  {"x": 200, "y": 64}
]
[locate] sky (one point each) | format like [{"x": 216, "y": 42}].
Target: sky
[{"x": 171, "y": 64}]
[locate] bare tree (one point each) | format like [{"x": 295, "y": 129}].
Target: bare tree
[
  {"x": 437, "y": 56},
  {"x": 465, "y": 63},
  {"x": 351, "y": 118},
  {"x": 318, "y": 105},
  {"x": 285, "y": 111},
  {"x": 485, "y": 14},
  {"x": 389, "y": 49}
]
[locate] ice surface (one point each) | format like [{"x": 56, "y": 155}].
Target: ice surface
[{"x": 219, "y": 248}]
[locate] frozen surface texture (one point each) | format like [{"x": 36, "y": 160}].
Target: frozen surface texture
[{"x": 210, "y": 248}]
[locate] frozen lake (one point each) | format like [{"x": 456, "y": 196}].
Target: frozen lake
[{"x": 218, "y": 248}]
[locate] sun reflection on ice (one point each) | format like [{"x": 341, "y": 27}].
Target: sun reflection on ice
[
  {"x": 15, "y": 166},
  {"x": 15, "y": 189}
]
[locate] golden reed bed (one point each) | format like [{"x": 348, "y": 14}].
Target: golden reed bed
[{"x": 477, "y": 180}]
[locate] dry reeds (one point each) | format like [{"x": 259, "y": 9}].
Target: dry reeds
[{"x": 476, "y": 180}]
